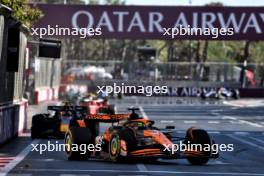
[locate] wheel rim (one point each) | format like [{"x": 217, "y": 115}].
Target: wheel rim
[
  {"x": 114, "y": 146},
  {"x": 68, "y": 141}
]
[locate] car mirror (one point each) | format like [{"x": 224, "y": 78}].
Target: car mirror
[{"x": 170, "y": 127}]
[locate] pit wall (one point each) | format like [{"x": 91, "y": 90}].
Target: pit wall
[{"x": 13, "y": 119}]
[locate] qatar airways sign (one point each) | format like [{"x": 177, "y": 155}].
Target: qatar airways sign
[{"x": 157, "y": 22}]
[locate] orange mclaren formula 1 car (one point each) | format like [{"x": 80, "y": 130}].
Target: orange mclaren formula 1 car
[
  {"x": 55, "y": 123},
  {"x": 131, "y": 136}
]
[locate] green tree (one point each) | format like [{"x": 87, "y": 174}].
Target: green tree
[
  {"x": 114, "y": 2},
  {"x": 22, "y": 11},
  {"x": 61, "y": 1}
]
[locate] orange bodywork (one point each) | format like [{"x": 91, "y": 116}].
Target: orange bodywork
[
  {"x": 81, "y": 123},
  {"x": 158, "y": 136},
  {"x": 107, "y": 135},
  {"x": 64, "y": 127},
  {"x": 150, "y": 152},
  {"x": 193, "y": 153}
]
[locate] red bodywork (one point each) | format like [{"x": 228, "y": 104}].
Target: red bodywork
[{"x": 95, "y": 106}]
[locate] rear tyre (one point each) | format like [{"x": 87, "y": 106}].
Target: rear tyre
[
  {"x": 35, "y": 133},
  {"x": 75, "y": 137},
  {"x": 198, "y": 136},
  {"x": 37, "y": 126},
  {"x": 112, "y": 109}
]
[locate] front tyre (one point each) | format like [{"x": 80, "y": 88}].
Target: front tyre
[
  {"x": 198, "y": 136},
  {"x": 75, "y": 137},
  {"x": 115, "y": 148}
]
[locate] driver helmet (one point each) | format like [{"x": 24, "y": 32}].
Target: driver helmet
[{"x": 134, "y": 116}]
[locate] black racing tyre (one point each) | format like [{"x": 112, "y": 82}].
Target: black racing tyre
[
  {"x": 235, "y": 94},
  {"x": 35, "y": 133},
  {"x": 119, "y": 96},
  {"x": 75, "y": 137},
  {"x": 198, "y": 136},
  {"x": 115, "y": 144},
  {"x": 37, "y": 126},
  {"x": 203, "y": 95},
  {"x": 115, "y": 148},
  {"x": 112, "y": 109},
  {"x": 128, "y": 136}
]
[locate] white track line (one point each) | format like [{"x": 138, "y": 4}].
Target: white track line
[
  {"x": 167, "y": 121},
  {"x": 214, "y": 132},
  {"x": 241, "y": 133},
  {"x": 145, "y": 172},
  {"x": 189, "y": 121},
  {"x": 215, "y": 113},
  {"x": 256, "y": 139},
  {"x": 141, "y": 167},
  {"x": 213, "y": 122},
  {"x": 229, "y": 118},
  {"x": 251, "y": 123},
  {"x": 216, "y": 162},
  {"x": 245, "y": 142},
  {"x": 19, "y": 174},
  {"x": 234, "y": 104},
  {"x": 131, "y": 175},
  {"x": 243, "y": 121},
  {"x": 4, "y": 171},
  {"x": 74, "y": 175}
]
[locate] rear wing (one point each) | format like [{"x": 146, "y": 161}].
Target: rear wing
[
  {"x": 68, "y": 108},
  {"x": 110, "y": 118}
]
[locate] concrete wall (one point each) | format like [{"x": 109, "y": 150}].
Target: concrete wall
[
  {"x": 13, "y": 106},
  {"x": 12, "y": 120}
]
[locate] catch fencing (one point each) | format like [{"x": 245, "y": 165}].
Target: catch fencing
[{"x": 178, "y": 73}]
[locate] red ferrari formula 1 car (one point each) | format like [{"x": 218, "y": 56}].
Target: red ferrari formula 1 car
[
  {"x": 131, "y": 136},
  {"x": 97, "y": 105}
]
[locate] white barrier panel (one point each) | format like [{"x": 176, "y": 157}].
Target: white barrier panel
[
  {"x": 22, "y": 116},
  {"x": 46, "y": 94}
]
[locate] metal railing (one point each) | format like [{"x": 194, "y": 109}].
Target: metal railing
[{"x": 210, "y": 72}]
